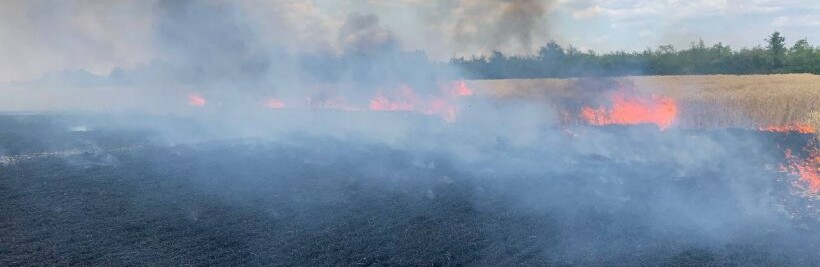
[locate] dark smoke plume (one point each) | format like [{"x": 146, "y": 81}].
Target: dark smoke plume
[
  {"x": 501, "y": 23},
  {"x": 210, "y": 39},
  {"x": 519, "y": 20},
  {"x": 361, "y": 33}
]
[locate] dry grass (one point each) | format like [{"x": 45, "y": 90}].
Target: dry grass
[
  {"x": 814, "y": 119},
  {"x": 704, "y": 101}
]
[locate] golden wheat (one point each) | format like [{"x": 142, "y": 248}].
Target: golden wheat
[{"x": 705, "y": 101}]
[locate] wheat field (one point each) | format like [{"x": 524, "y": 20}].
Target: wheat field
[{"x": 704, "y": 101}]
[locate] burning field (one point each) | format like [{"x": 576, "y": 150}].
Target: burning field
[
  {"x": 702, "y": 101},
  {"x": 348, "y": 133},
  {"x": 448, "y": 176}
]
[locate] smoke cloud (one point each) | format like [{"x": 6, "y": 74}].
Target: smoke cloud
[
  {"x": 361, "y": 33},
  {"x": 46, "y": 37},
  {"x": 314, "y": 116},
  {"x": 503, "y": 24},
  {"x": 210, "y": 40}
]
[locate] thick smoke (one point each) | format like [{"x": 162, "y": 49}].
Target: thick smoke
[
  {"x": 365, "y": 127},
  {"x": 362, "y": 34},
  {"x": 503, "y": 24},
  {"x": 519, "y": 21},
  {"x": 210, "y": 41},
  {"x": 96, "y": 36}
]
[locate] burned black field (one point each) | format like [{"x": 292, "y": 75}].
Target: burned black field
[{"x": 101, "y": 196}]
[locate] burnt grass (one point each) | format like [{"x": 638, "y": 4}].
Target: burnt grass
[{"x": 320, "y": 202}]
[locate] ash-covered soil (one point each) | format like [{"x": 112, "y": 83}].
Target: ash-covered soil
[{"x": 123, "y": 198}]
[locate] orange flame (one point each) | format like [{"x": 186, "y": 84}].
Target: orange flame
[
  {"x": 275, "y": 103},
  {"x": 405, "y": 99},
  {"x": 195, "y": 99},
  {"x": 400, "y": 99},
  {"x": 790, "y": 128},
  {"x": 807, "y": 169},
  {"x": 461, "y": 89},
  {"x": 630, "y": 110}
]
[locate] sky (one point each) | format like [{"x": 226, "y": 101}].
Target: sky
[{"x": 42, "y": 36}]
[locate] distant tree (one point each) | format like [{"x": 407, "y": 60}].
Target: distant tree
[
  {"x": 800, "y": 45},
  {"x": 801, "y": 58},
  {"x": 666, "y": 49},
  {"x": 552, "y": 60},
  {"x": 720, "y": 59},
  {"x": 551, "y": 51},
  {"x": 776, "y": 45},
  {"x": 700, "y": 45}
]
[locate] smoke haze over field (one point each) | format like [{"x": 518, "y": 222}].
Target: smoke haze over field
[
  {"x": 39, "y": 37},
  {"x": 323, "y": 124},
  {"x": 99, "y": 37}
]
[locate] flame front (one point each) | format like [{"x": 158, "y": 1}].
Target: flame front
[
  {"x": 790, "y": 128},
  {"x": 461, "y": 89},
  {"x": 195, "y": 99},
  {"x": 404, "y": 100},
  {"x": 808, "y": 169},
  {"x": 630, "y": 110},
  {"x": 400, "y": 99},
  {"x": 275, "y": 103}
]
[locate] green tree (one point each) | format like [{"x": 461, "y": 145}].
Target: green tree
[
  {"x": 552, "y": 60},
  {"x": 800, "y": 57},
  {"x": 776, "y": 45}
]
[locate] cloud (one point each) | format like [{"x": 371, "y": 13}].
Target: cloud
[
  {"x": 294, "y": 25},
  {"x": 41, "y": 36},
  {"x": 797, "y": 21},
  {"x": 589, "y": 12},
  {"x": 625, "y": 23}
]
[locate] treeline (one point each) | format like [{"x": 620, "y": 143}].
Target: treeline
[{"x": 552, "y": 60}]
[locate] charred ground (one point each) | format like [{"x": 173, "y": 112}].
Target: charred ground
[{"x": 124, "y": 198}]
